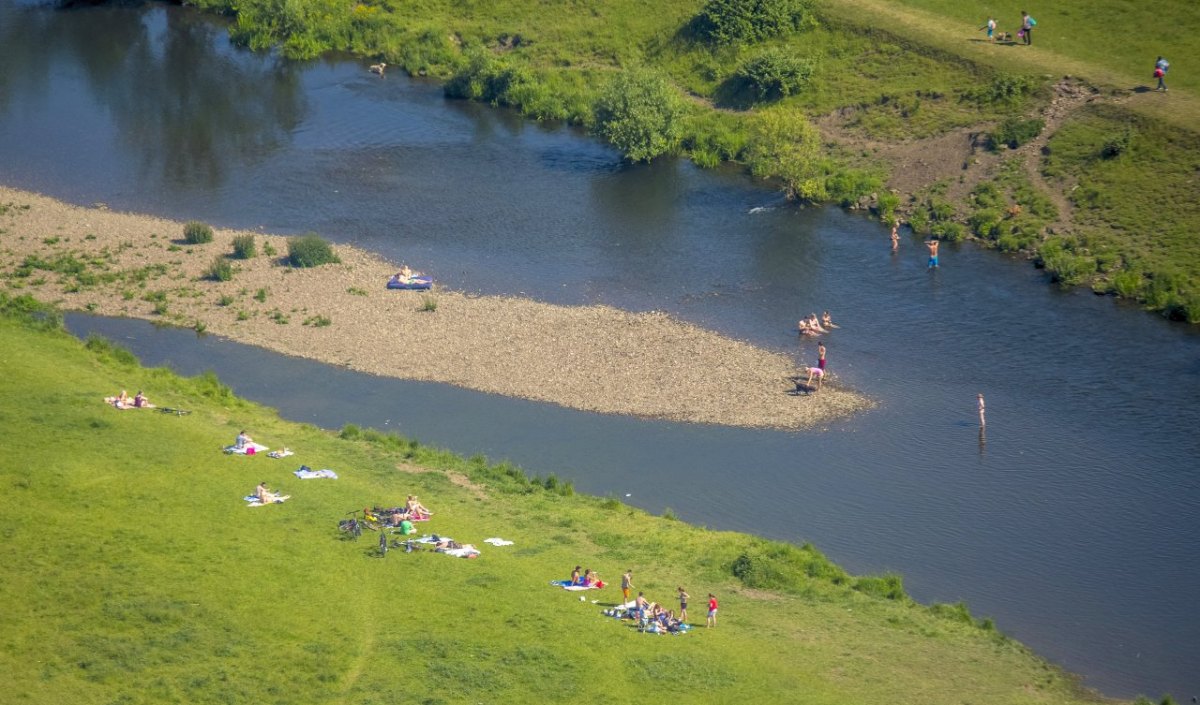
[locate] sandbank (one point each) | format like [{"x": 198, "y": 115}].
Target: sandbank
[{"x": 594, "y": 358}]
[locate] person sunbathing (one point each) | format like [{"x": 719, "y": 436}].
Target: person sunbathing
[
  {"x": 264, "y": 494},
  {"x": 591, "y": 579},
  {"x": 242, "y": 441},
  {"x": 140, "y": 401},
  {"x": 399, "y": 515},
  {"x": 416, "y": 509},
  {"x": 575, "y": 579},
  {"x": 121, "y": 401}
]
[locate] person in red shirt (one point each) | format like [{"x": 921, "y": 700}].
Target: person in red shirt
[{"x": 712, "y": 610}]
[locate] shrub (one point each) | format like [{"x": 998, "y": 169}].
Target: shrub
[
  {"x": 221, "y": 270},
  {"x": 1116, "y": 145},
  {"x": 1015, "y": 132},
  {"x": 310, "y": 251},
  {"x": 784, "y": 144},
  {"x": 775, "y": 74},
  {"x": 197, "y": 233},
  {"x": 986, "y": 222},
  {"x": 1128, "y": 284},
  {"x": 779, "y": 566},
  {"x": 887, "y": 204},
  {"x": 949, "y": 231},
  {"x": 889, "y": 586},
  {"x": 1003, "y": 90},
  {"x": 747, "y": 21},
  {"x": 640, "y": 113},
  {"x": 243, "y": 247},
  {"x": 713, "y": 137},
  {"x": 429, "y": 303}
]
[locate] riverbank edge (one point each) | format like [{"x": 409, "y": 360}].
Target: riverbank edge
[
  {"x": 592, "y": 358},
  {"x": 819, "y": 580}
]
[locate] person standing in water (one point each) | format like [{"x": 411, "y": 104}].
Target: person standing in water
[
  {"x": 982, "y": 421},
  {"x": 933, "y": 253},
  {"x": 821, "y": 355},
  {"x": 895, "y": 235}
]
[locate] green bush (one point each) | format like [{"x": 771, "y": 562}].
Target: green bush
[
  {"x": 1003, "y": 90},
  {"x": 775, "y": 74},
  {"x": 748, "y": 21},
  {"x": 243, "y": 247},
  {"x": 986, "y": 222},
  {"x": 1118, "y": 144},
  {"x": 221, "y": 270},
  {"x": 197, "y": 233},
  {"x": 640, "y": 113},
  {"x": 889, "y": 586},
  {"x": 310, "y": 251},
  {"x": 770, "y": 565},
  {"x": 1128, "y": 284},
  {"x": 949, "y": 231},
  {"x": 886, "y": 205},
  {"x": 1014, "y": 132},
  {"x": 783, "y": 144}
]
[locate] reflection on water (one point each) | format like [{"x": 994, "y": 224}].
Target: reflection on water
[
  {"x": 177, "y": 110},
  {"x": 1074, "y": 521}
]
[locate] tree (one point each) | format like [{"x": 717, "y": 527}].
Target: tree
[
  {"x": 784, "y": 144},
  {"x": 640, "y": 113}
]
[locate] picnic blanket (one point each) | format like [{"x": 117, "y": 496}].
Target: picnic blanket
[
  {"x": 307, "y": 473},
  {"x": 498, "y": 542},
  {"x": 567, "y": 585},
  {"x": 245, "y": 450},
  {"x": 252, "y": 501},
  {"x": 280, "y": 453},
  {"x": 465, "y": 550}
]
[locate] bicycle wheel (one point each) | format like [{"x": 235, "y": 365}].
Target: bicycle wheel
[{"x": 382, "y": 544}]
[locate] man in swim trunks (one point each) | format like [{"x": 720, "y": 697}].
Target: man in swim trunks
[
  {"x": 821, "y": 355},
  {"x": 933, "y": 253},
  {"x": 626, "y": 585}
]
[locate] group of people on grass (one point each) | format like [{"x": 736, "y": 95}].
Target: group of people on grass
[
  {"x": 588, "y": 578},
  {"x": 651, "y": 614},
  {"x": 124, "y": 401}
]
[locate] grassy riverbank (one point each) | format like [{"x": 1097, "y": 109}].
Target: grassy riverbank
[
  {"x": 905, "y": 95},
  {"x": 133, "y": 572}
]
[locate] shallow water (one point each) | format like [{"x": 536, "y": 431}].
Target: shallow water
[{"x": 1075, "y": 524}]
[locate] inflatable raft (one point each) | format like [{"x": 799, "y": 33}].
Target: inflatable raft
[{"x": 414, "y": 282}]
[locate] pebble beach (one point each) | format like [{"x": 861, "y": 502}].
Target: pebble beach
[{"x": 594, "y": 357}]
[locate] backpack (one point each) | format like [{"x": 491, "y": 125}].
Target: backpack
[{"x": 1032, "y": 22}]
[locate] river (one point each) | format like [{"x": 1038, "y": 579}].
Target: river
[{"x": 1074, "y": 522}]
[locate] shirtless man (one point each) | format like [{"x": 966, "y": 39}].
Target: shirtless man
[
  {"x": 982, "y": 422},
  {"x": 895, "y": 235},
  {"x": 821, "y": 355},
  {"x": 933, "y": 253}
]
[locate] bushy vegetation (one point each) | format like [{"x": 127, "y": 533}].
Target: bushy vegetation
[
  {"x": 733, "y": 22},
  {"x": 197, "y": 233},
  {"x": 221, "y": 269},
  {"x": 1014, "y": 132},
  {"x": 640, "y": 113},
  {"x": 775, "y": 74},
  {"x": 310, "y": 250},
  {"x": 244, "y": 247}
]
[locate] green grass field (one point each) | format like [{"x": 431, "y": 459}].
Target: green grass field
[{"x": 133, "y": 572}]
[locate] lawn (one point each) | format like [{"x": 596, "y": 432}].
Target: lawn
[{"x": 133, "y": 572}]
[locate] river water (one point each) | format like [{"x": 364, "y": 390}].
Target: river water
[{"x": 1074, "y": 522}]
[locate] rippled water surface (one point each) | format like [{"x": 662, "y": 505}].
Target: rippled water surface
[{"x": 1075, "y": 523}]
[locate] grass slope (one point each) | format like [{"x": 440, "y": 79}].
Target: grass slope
[{"x": 132, "y": 572}]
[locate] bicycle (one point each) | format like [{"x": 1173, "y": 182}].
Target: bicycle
[{"x": 352, "y": 526}]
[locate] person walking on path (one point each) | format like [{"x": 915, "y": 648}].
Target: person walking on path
[
  {"x": 982, "y": 421},
  {"x": 1027, "y": 25},
  {"x": 712, "y": 610},
  {"x": 933, "y": 253},
  {"x": 683, "y": 598},
  {"x": 626, "y": 585},
  {"x": 1160, "y": 72},
  {"x": 821, "y": 355}
]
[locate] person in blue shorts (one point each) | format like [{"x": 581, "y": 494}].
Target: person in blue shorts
[{"x": 933, "y": 253}]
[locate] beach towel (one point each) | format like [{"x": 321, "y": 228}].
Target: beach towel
[
  {"x": 280, "y": 453},
  {"x": 252, "y": 501},
  {"x": 566, "y": 585},
  {"x": 467, "y": 551},
  {"x": 307, "y": 473},
  {"x": 245, "y": 450},
  {"x": 498, "y": 542}
]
